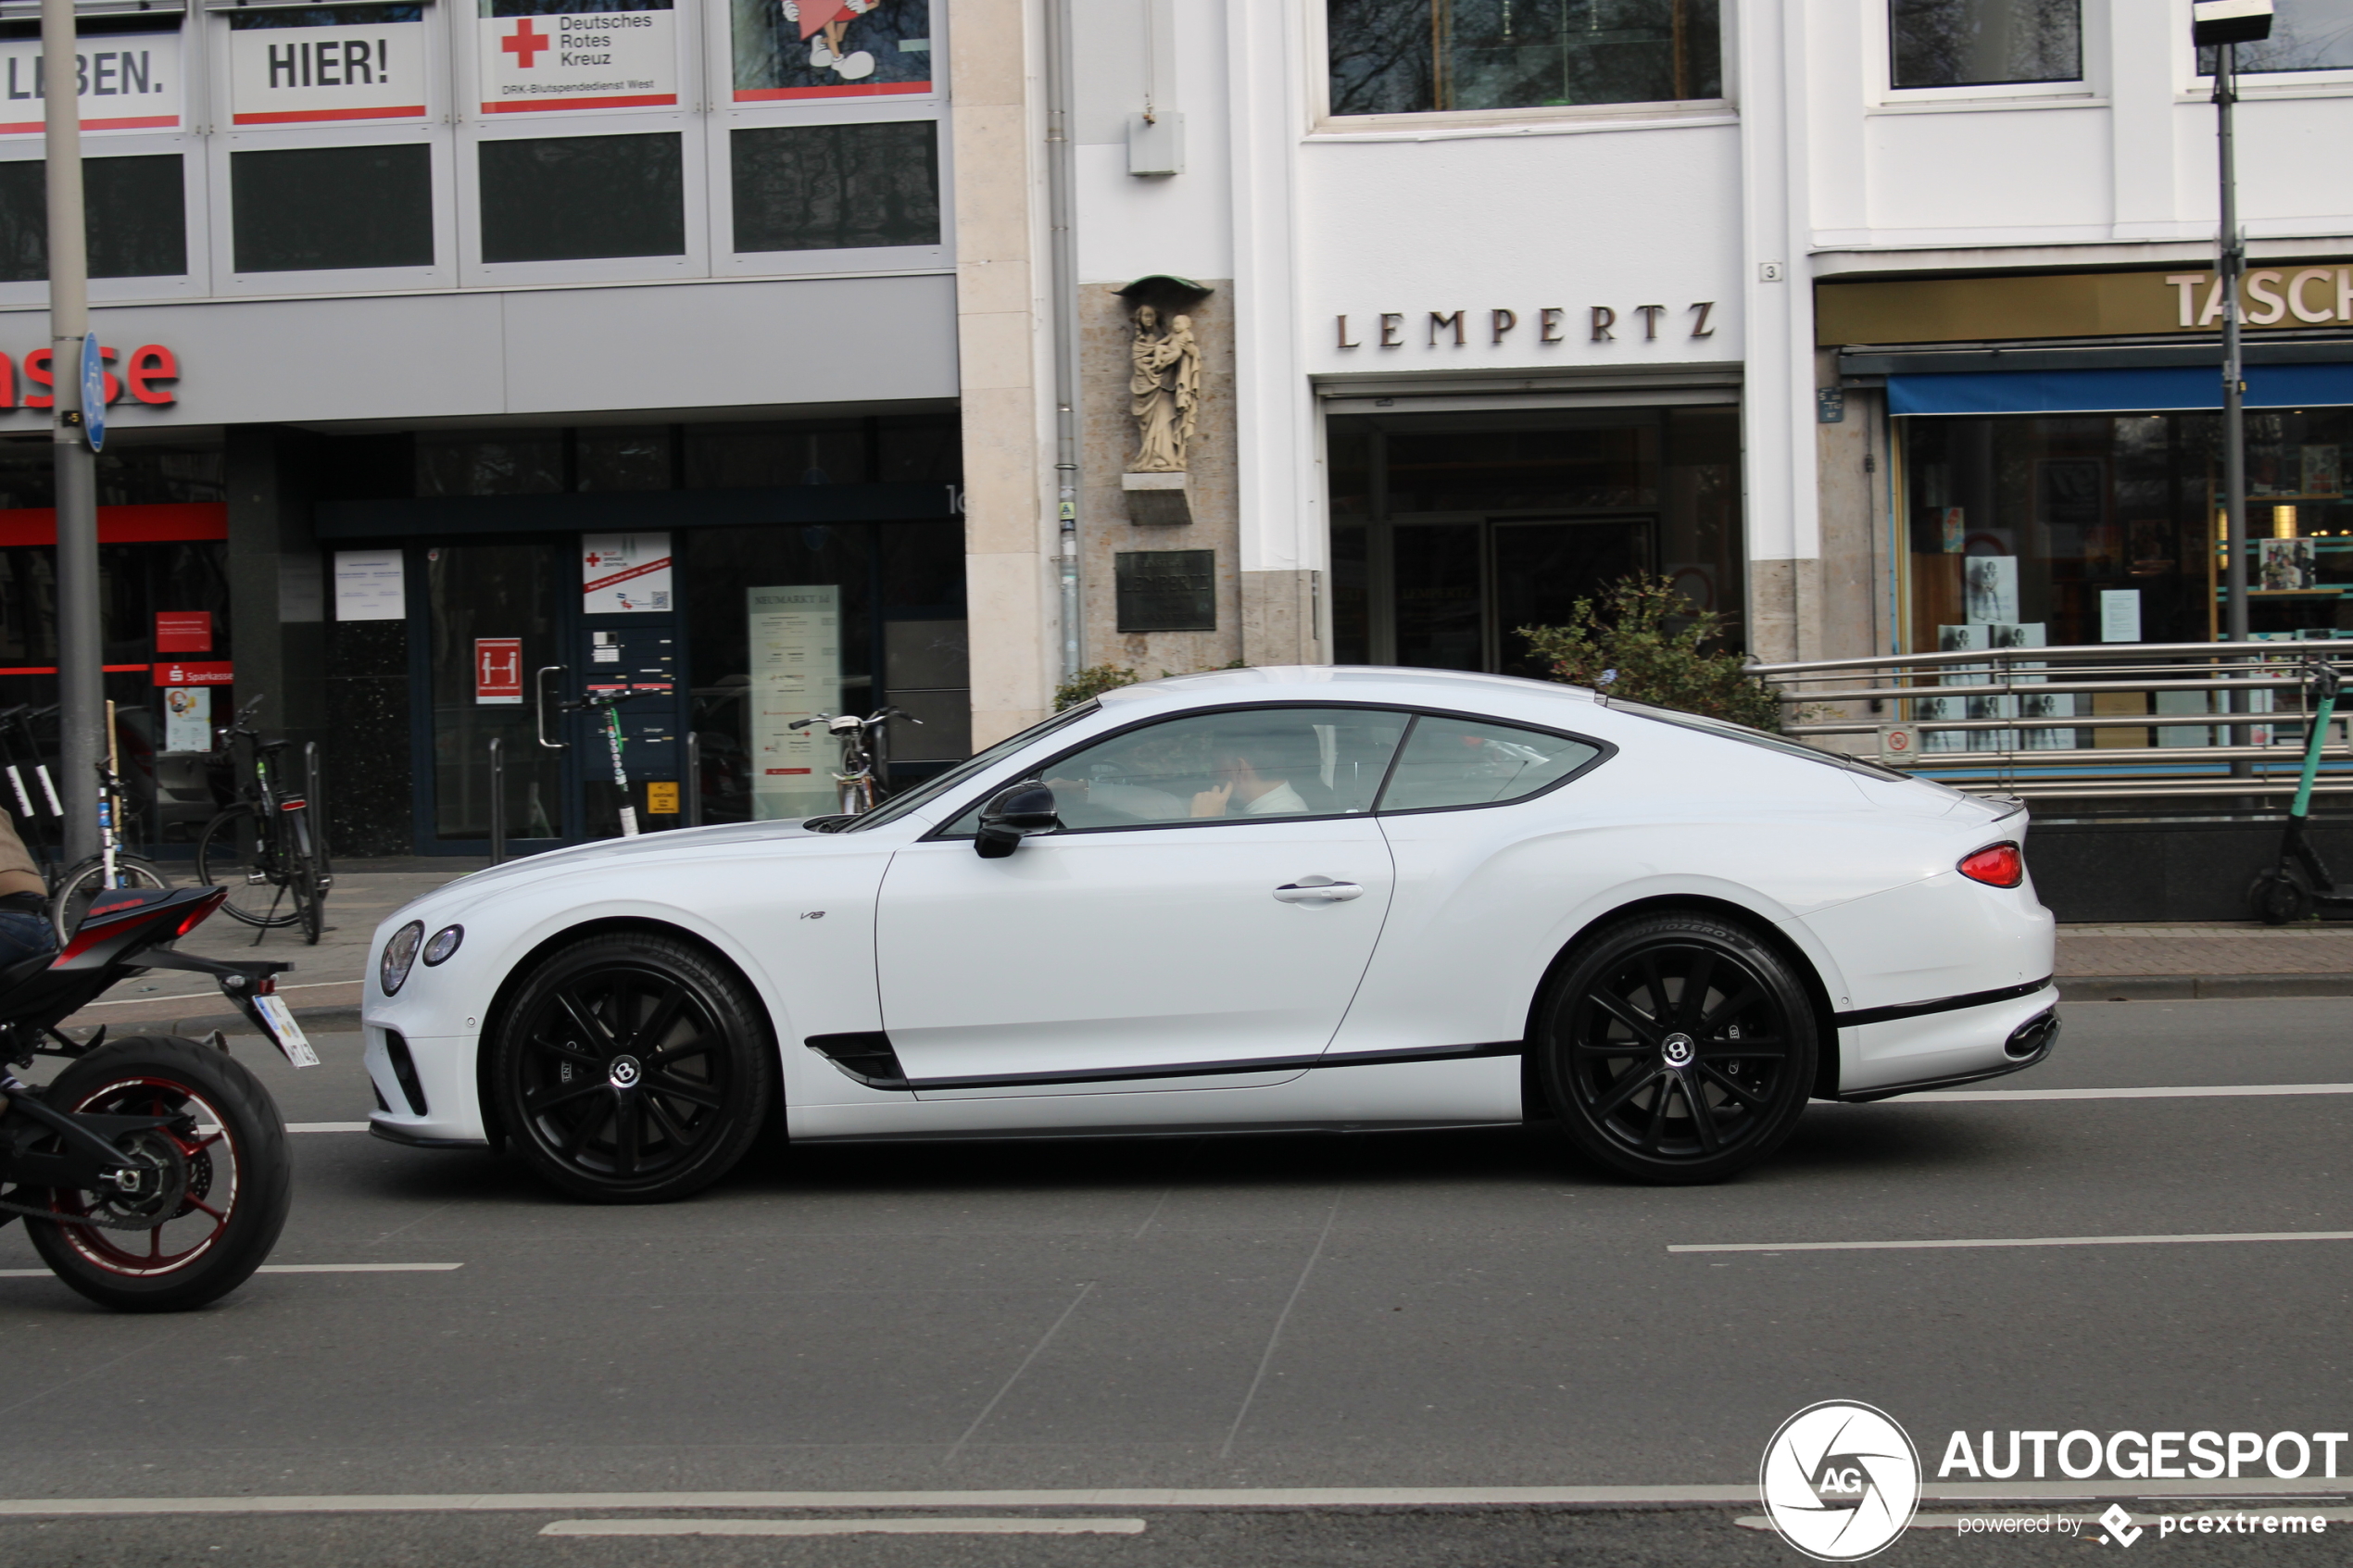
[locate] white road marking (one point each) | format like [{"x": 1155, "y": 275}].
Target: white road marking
[
  {"x": 1940, "y": 1096},
  {"x": 296, "y": 1269},
  {"x": 935, "y": 1526},
  {"x": 326, "y": 1127},
  {"x": 2010, "y": 1241},
  {"x": 1742, "y": 1493},
  {"x": 1952, "y": 1521}
]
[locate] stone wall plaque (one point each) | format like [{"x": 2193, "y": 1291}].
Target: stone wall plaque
[{"x": 1166, "y": 590}]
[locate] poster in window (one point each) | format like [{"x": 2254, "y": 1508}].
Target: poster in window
[
  {"x": 2323, "y": 474},
  {"x": 2071, "y": 491},
  {"x": 624, "y": 573},
  {"x": 130, "y": 82},
  {"x": 2287, "y": 565},
  {"x": 794, "y": 638},
  {"x": 302, "y": 65},
  {"x": 1989, "y": 589},
  {"x": 187, "y": 718},
  {"x": 792, "y": 49},
  {"x": 538, "y": 56}
]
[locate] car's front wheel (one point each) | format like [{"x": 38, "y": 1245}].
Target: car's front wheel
[
  {"x": 632, "y": 1069},
  {"x": 1678, "y": 1047}
]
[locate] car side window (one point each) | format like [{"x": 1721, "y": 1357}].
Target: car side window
[
  {"x": 1232, "y": 764},
  {"x": 1451, "y": 762}
]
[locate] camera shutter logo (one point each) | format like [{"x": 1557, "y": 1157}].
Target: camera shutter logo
[{"x": 1840, "y": 1481}]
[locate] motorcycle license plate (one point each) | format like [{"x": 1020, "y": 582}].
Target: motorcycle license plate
[{"x": 287, "y": 1035}]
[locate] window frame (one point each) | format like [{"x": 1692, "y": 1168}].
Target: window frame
[
  {"x": 440, "y": 274},
  {"x": 1327, "y": 123},
  {"x": 726, "y": 115},
  {"x": 196, "y": 183},
  {"x": 2322, "y": 82},
  {"x": 1412, "y": 713},
  {"x": 2089, "y": 89}
]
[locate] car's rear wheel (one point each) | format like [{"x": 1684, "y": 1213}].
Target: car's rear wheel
[
  {"x": 632, "y": 1069},
  {"x": 1678, "y": 1047}
]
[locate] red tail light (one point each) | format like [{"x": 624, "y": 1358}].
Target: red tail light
[{"x": 1996, "y": 865}]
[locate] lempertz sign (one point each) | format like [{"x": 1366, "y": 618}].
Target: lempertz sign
[
  {"x": 128, "y": 82},
  {"x": 536, "y": 55},
  {"x": 295, "y": 67}
]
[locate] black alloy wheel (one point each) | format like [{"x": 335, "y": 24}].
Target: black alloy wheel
[
  {"x": 632, "y": 1069},
  {"x": 1677, "y": 1048}
]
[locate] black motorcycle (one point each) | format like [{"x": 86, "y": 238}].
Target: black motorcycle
[{"x": 152, "y": 1172}]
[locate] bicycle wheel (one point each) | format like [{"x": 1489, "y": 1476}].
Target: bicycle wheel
[
  {"x": 82, "y": 884},
  {"x": 236, "y": 853},
  {"x": 311, "y": 902}
]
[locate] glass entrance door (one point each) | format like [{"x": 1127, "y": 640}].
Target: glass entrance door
[{"x": 496, "y": 621}]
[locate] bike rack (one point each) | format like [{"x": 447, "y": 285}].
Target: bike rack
[{"x": 498, "y": 803}]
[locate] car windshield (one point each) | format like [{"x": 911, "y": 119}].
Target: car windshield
[
  {"x": 899, "y": 806},
  {"x": 1742, "y": 734}
]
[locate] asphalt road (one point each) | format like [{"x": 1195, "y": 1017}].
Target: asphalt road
[{"x": 1404, "y": 1312}]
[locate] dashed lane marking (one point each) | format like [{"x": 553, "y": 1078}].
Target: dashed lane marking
[
  {"x": 932, "y": 1526},
  {"x": 296, "y": 1269},
  {"x": 2010, "y": 1241}
]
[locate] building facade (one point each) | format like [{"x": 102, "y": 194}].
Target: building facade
[{"x": 753, "y": 357}]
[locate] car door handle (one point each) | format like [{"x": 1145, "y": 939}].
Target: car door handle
[{"x": 1317, "y": 890}]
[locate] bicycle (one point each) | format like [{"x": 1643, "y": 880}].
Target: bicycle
[
  {"x": 265, "y": 841},
  {"x": 859, "y": 790},
  {"x": 112, "y": 867}
]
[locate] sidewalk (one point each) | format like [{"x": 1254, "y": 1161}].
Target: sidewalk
[
  {"x": 322, "y": 987},
  {"x": 2155, "y": 962}
]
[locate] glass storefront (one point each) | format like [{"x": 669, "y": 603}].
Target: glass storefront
[
  {"x": 1451, "y": 531},
  {"x": 2086, "y": 528},
  {"x": 630, "y": 556}
]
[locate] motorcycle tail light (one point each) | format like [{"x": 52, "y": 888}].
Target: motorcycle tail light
[{"x": 1996, "y": 865}]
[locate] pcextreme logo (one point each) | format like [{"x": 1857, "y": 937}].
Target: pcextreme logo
[{"x": 1840, "y": 1481}]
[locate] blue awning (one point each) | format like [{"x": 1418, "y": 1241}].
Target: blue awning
[{"x": 2142, "y": 391}]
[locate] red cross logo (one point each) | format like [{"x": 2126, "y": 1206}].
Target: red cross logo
[
  {"x": 524, "y": 44},
  {"x": 593, "y": 558}
]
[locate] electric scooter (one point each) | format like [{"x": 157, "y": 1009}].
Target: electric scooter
[
  {"x": 2300, "y": 884},
  {"x": 611, "y": 702}
]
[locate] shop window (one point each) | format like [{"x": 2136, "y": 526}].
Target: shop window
[
  {"x": 1985, "y": 42},
  {"x": 577, "y": 198},
  {"x": 134, "y": 208},
  {"x": 623, "y": 460},
  {"x": 804, "y": 51},
  {"x": 899, "y": 449},
  {"x": 2305, "y": 35},
  {"x": 833, "y": 187},
  {"x": 130, "y": 475},
  {"x": 1406, "y": 56},
  {"x": 309, "y": 209},
  {"x": 2044, "y": 529},
  {"x": 517, "y": 462}
]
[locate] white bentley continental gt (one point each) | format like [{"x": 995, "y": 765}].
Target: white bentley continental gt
[{"x": 1343, "y": 899}]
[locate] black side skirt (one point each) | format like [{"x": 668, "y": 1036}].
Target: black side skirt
[{"x": 867, "y": 1058}]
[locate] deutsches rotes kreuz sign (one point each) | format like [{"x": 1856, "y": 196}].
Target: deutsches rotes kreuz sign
[{"x": 545, "y": 54}]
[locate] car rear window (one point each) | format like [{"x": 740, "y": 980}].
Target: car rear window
[{"x": 1451, "y": 762}]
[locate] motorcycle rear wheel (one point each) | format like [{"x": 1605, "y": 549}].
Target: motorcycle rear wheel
[{"x": 222, "y": 1192}]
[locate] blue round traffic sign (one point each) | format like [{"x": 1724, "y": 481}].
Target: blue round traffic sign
[{"x": 94, "y": 392}]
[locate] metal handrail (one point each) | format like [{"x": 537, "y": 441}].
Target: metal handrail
[{"x": 2237, "y": 764}]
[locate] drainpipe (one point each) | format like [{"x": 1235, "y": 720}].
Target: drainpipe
[{"x": 1064, "y": 274}]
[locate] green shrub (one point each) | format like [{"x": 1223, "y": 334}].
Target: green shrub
[
  {"x": 1660, "y": 646},
  {"x": 1092, "y": 681}
]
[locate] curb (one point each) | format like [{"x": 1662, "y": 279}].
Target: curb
[{"x": 2199, "y": 987}]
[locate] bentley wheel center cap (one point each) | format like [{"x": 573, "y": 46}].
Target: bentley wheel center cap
[
  {"x": 1678, "y": 1049},
  {"x": 626, "y": 1073}
]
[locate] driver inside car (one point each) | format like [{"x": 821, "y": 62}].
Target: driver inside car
[{"x": 1226, "y": 774}]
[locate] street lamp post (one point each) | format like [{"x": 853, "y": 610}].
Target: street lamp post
[
  {"x": 82, "y": 681},
  {"x": 2223, "y": 25}
]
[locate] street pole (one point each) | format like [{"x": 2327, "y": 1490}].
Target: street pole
[
  {"x": 82, "y": 681},
  {"x": 2230, "y": 264}
]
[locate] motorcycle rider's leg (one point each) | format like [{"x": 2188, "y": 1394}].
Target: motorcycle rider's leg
[{"x": 25, "y": 932}]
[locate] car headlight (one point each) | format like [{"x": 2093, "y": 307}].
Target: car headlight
[
  {"x": 400, "y": 957},
  {"x": 444, "y": 942}
]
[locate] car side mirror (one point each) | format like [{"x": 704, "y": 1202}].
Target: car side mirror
[{"x": 1025, "y": 808}]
